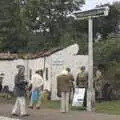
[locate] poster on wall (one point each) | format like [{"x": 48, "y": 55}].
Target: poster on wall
[
  {"x": 78, "y": 97},
  {"x": 58, "y": 61}
]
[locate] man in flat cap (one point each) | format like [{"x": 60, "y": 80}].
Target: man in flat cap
[{"x": 82, "y": 82}]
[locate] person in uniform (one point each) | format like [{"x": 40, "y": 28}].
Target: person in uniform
[
  {"x": 82, "y": 82},
  {"x": 98, "y": 84}
]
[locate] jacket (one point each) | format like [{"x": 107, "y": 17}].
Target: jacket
[
  {"x": 82, "y": 80},
  {"x": 20, "y": 86},
  {"x": 63, "y": 84},
  {"x": 71, "y": 80}
]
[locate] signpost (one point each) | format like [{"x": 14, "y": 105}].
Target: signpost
[
  {"x": 90, "y": 15},
  {"x": 78, "y": 98},
  {"x": 94, "y": 13}
]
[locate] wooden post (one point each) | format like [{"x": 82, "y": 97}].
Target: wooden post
[{"x": 90, "y": 91}]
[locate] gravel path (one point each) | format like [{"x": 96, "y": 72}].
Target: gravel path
[{"x": 52, "y": 114}]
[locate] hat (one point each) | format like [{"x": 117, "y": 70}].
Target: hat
[
  {"x": 20, "y": 66},
  {"x": 82, "y": 67},
  {"x": 68, "y": 69}
]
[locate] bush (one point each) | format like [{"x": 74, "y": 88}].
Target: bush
[{"x": 107, "y": 53}]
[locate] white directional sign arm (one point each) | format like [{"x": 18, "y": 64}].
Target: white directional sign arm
[{"x": 94, "y": 13}]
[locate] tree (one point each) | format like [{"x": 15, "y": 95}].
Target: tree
[
  {"x": 109, "y": 24},
  {"x": 48, "y": 19},
  {"x": 13, "y": 32},
  {"x": 5, "y": 20},
  {"x": 36, "y": 24},
  {"x": 106, "y": 53}
]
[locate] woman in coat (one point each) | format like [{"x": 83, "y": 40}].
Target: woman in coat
[{"x": 37, "y": 86}]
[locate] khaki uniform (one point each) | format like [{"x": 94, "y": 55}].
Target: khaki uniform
[
  {"x": 98, "y": 84},
  {"x": 82, "y": 80}
]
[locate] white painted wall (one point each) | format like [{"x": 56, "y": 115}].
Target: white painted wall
[
  {"x": 9, "y": 69},
  {"x": 66, "y": 58},
  {"x": 55, "y": 64}
]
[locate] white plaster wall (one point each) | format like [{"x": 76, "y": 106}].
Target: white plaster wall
[
  {"x": 66, "y": 58},
  {"x": 36, "y": 64},
  {"x": 41, "y": 63},
  {"x": 73, "y": 62},
  {"x": 55, "y": 64},
  {"x": 47, "y": 83},
  {"x": 9, "y": 69}
]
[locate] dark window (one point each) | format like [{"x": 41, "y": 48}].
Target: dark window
[
  {"x": 46, "y": 73},
  {"x": 30, "y": 74}
]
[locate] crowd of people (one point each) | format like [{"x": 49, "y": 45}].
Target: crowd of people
[
  {"x": 66, "y": 84},
  {"x": 35, "y": 87}
]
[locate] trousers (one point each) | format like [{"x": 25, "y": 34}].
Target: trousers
[
  {"x": 19, "y": 106},
  {"x": 65, "y": 102},
  {"x": 38, "y": 101}
]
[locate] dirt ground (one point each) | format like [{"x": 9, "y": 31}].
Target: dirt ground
[{"x": 53, "y": 114}]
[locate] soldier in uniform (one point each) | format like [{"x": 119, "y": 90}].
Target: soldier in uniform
[
  {"x": 98, "y": 84},
  {"x": 82, "y": 81}
]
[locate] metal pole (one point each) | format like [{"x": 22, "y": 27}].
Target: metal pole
[{"x": 90, "y": 91}]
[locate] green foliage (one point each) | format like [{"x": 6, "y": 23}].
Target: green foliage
[
  {"x": 42, "y": 24},
  {"x": 48, "y": 20},
  {"x": 108, "y": 53},
  {"x": 36, "y": 24},
  {"x": 111, "y": 107},
  {"x": 109, "y": 24},
  {"x": 13, "y": 32},
  {"x": 113, "y": 75}
]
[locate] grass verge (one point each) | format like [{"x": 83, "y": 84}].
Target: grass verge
[{"x": 111, "y": 107}]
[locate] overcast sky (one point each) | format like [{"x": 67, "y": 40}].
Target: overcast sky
[{"x": 92, "y": 3}]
